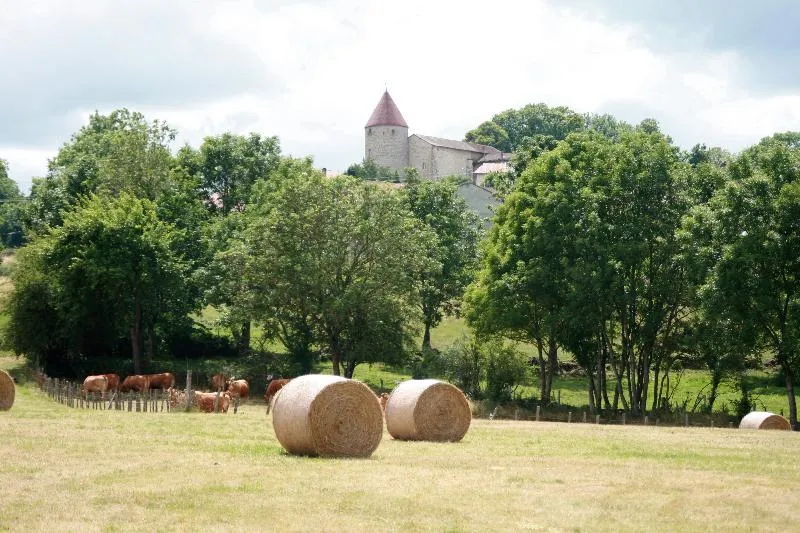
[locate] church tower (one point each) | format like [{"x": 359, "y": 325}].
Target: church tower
[{"x": 386, "y": 136}]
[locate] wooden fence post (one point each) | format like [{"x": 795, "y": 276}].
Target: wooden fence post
[
  {"x": 584, "y": 417},
  {"x": 645, "y": 420},
  {"x": 623, "y": 419},
  {"x": 189, "y": 392},
  {"x": 559, "y": 396},
  {"x": 538, "y": 412},
  {"x": 569, "y": 417},
  {"x": 597, "y": 419},
  {"x": 686, "y": 419}
]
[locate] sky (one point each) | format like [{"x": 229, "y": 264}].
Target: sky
[{"x": 719, "y": 72}]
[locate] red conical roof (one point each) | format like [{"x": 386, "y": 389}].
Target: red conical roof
[{"x": 386, "y": 113}]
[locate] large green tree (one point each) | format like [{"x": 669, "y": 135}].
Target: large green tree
[
  {"x": 755, "y": 224},
  {"x": 225, "y": 169},
  {"x": 114, "y": 153},
  {"x": 339, "y": 255},
  {"x": 110, "y": 271},
  {"x": 584, "y": 254},
  {"x": 454, "y": 251},
  {"x": 11, "y": 205}
]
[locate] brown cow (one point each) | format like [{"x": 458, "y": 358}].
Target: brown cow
[
  {"x": 272, "y": 389},
  {"x": 218, "y": 381},
  {"x": 382, "y": 399},
  {"x": 205, "y": 401},
  {"x": 137, "y": 382},
  {"x": 95, "y": 384},
  {"x": 238, "y": 388},
  {"x": 162, "y": 381},
  {"x": 113, "y": 381}
]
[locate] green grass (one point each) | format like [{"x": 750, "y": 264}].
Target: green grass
[{"x": 65, "y": 469}]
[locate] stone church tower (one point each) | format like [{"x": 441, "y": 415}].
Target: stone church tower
[{"x": 386, "y": 136}]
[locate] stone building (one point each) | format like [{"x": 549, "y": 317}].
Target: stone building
[{"x": 387, "y": 143}]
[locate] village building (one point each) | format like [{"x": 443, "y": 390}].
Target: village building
[{"x": 388, "y": 144}]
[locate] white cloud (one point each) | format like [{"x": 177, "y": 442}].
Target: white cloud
[{"x": 449, "y": 65}]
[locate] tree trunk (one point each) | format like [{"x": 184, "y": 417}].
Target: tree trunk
[
  {"x": 149, "y": 345},
  {"x": 544, "y": 394},
  {"x": 426, "y": 338},
  {"x": 136, "y": 335},
  {"x": 350, "y": 369},
  {"x": 243, "y": 339},
  {"x": 552, "y": 364},
  {"x": 787, "y": 372},
  {"x": 590, "y": 382}
]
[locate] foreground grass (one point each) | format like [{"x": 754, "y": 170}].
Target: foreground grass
[{"x": 65, "y": 469}]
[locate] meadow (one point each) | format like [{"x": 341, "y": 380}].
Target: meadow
[{"x": 64, "y": 469}]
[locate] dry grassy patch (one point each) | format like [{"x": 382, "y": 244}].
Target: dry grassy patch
[{"x": 66, "y": 469}]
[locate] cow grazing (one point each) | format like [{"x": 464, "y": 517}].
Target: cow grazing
[
  {"x": 113, "y": 381},
  {"x": 272, "y": 389},
  {"x": 238, "y": 388},
  {"x": 382, "y": 399},
  {"x": 136, "y": 383},
  {"x": 205, "y": 401},
  {"x": 162, "y": 381},
  {"x": 95, "y": 384},
  {"x": 218, "y": 381}
]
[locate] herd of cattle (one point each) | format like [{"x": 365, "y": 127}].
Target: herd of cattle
[{"x": 225, "y": 389}]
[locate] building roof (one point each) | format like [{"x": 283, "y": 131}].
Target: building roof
[
  {"x": 386, "y": 113},
  {"x": 496, "y": 157},
  {"x": 485, "y": 168},
  {"x": 459, "y": 145}
]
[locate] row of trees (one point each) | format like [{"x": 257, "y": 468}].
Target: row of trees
[
  {"x": 635, "y": 256},
  {"x": 127, "y": 241},
  {"x": 611, "y": 244}
]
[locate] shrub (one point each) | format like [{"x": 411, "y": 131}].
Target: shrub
[
  {"x": 464, "y": 365},
  {"x": 506, "y": 367}
]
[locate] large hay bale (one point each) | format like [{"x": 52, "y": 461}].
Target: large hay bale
[
  {"x": 7, "y": 391},
  {"x": 764, "y": 420},
  {"x": 327, "y": 415},
  {"x": 427, "y": 409}
]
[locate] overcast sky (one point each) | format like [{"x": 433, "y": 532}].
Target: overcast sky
[{"x": 723, "y": 72}]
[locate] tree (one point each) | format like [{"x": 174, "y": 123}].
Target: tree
[
  {"x": 228, "y": 165},
  {"x": 490, "y": 133},
  {"x": 110, "y": 271},
  {"x": 538, "y": 119},
  {"x": 339, "y": 255},
  {"x": 369, "y": 170},
  {"x": 11, "y": 205},
  {"x": 112, "y": 154},
  {"x": 454, "y": 251},
  {"x": 225, "y": 169},
  {"x": 584, "y": 254},
  {"x": 756, "y": 226}
]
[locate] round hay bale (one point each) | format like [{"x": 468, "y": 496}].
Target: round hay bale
[
  {"x": 7, "y": 391},
  {"x": 327, "y": 415},
  {"x": 764, "y": 420},
  {"x": 427, "y": 409}
]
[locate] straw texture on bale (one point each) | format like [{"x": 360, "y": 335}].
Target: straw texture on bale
[
  {"x": 764, "y": 420},
  {"x": 328, "y": 416},
  {"x": 7, "y": 391},
  {"x": 427, "y": 409}
]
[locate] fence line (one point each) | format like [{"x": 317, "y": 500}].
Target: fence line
[
  {"x": 70, "y": 394},
  {"x": 586, "y": 416}
]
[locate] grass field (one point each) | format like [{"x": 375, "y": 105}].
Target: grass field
[{"x": 64, "y": 469}]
